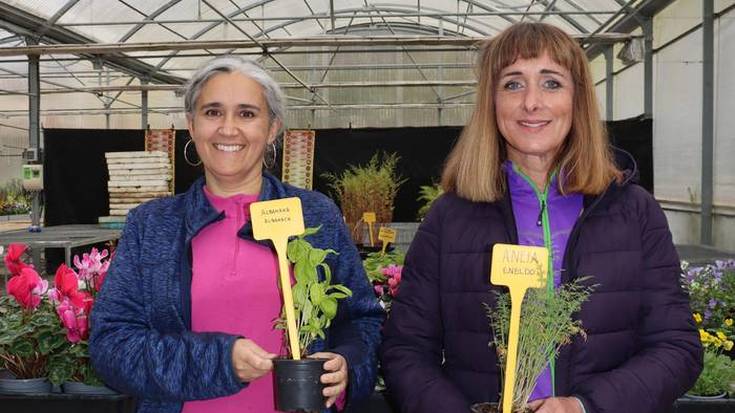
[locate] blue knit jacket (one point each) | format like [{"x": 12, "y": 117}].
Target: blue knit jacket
[{"x": 141, "y": 341}]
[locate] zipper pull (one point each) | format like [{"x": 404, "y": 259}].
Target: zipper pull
[{"x": 541, "y": 214}]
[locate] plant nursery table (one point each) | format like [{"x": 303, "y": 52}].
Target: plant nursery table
[
  {"x": 60, "y": 236},
  {"x": 66, "y": 403}
]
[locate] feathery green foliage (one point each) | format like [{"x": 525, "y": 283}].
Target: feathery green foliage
[
  {"x": 428, "y": 194},
  {"x": 546, "y": 325},
  {"x": 369, "y": 188}
]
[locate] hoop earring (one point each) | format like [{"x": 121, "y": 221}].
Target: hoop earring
[
  {"x": 186, "y": 154},
  {"x": 273, "y": 161}
]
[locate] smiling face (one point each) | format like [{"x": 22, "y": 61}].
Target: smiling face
[
  {"x": 231, "y": 127},
  {"x": 533, "y": 107}
]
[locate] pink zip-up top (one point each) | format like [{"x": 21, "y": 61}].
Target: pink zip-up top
[{"x": 234, "y": 290}]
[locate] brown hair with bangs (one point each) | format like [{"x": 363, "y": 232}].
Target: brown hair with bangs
[{"x": 473, "y": 169}]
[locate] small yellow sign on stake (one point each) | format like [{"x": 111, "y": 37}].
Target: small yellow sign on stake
[
  {"x": 369, "y": 218},
  {"x": 519, "y": 268},
  {"x": 387, "y": 235},
  {"x": 277, "y": 220}
]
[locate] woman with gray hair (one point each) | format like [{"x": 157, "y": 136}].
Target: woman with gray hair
[{"x": 184, "y": 321}]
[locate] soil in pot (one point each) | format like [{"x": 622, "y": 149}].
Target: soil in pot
[
  {"x": 491, "y": 408},
  {"x": 297, "y": 384},
  {"x": 365, "y": 249}
]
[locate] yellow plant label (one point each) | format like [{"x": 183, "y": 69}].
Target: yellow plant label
[
  {"x": 387, "y": 235},
  {"x": 519, "y": 268},
  {"x": 280, "y": 218},
  {"x": 277, "y": 220},
  {"x": 368, "y": 217}
]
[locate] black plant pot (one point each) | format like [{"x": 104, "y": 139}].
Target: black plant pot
[
  {"x": 488, "y": 408},
  {"x": 365, "y": 249},
  {"x": 298, "y": 385}
]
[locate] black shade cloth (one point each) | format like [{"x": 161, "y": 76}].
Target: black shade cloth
[{"x": 75, "y": 172}]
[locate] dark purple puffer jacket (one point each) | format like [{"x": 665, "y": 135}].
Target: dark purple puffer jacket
[{"x": 642, "y": 349}]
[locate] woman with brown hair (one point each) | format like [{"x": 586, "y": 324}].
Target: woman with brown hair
[{"x": 534, "y": 167}]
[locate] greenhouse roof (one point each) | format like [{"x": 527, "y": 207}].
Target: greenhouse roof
[{"x": 156, "y": 44}]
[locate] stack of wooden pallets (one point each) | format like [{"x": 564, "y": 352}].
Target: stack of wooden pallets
[{"x": 136, "y": 177}]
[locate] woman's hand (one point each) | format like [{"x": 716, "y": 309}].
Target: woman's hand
[
  {"x": 250, "y": 360},
  {"x": 556, "y": 405},
  {"x": 336, "y": 377}
]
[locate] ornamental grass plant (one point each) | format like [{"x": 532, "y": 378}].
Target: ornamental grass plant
[
  {"x": 547, "y": 324},
  {"x": 367, "y": 188}
]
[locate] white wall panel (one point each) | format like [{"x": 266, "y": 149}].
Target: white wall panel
[
  {"x": 628, "y": 93},
  {"x": 677, "y": 126},
  {"x": 724, "y": 162}
]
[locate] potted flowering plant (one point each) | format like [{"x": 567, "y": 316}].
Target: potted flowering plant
[
  {"x": 711, "y": 288},
  {"x": 384, "y": 273},
  {"x": 546, "y": 324},
  {"x": 73, "y": 297},
  {"x": 43, "y": 332},
  {"x": 298, "y": 384},
  {"x": 29, "y": 332}
]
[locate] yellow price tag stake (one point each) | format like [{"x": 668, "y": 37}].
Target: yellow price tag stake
[
  {"x": 277, "y": 220},
  {"x": 387, "y": 235},
  {"x": 369, "y": 218},
  {"x": 519, "y": 268}
]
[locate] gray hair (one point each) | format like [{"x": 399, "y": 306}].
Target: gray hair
[{"x": 229, "y": 64}]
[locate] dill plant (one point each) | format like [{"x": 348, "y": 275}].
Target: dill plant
[{"x": 546, "y": 325}]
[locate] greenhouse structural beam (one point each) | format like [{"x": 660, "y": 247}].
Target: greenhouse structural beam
[
  {"x": 631, "y": 22},
  {"x": 143, "y": 105},
  {"x": 34, "y": 122},
  {"x": 322, "y": 16},
  {"x": 708, "y": 96},
  {"x": 20, "y": 22},
  {"x": 264, "y": 45},
  {"x": 609, "y": 86},
  {"x": 144, "y": 87},
  {"x": 648, "y": 68}
]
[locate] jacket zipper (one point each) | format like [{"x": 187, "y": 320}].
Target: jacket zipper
[
  {"x": 543, "y": 221},
  {"x": 238, "y": 222}
]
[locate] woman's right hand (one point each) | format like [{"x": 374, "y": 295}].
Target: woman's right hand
[{"x": 250, "y": 360}]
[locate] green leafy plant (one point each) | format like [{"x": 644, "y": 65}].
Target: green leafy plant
[
  {"x": 546, "y": 325},
  {"x": 43, "y": 332},
  {"x": 14, "y": 199},
  {"x": 28, "y": 338},
  {"x": 384, "y": 273},
  {"x": 716, "y": 376},
  {"x": 711, "y": 289},
  {"x": 315, "y": 297},
  {"x": 369, "y": 188},
  {"x": 427, "y": 195}
]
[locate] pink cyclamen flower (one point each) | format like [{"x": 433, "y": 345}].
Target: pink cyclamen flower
[
  {"x": 91, "y": 267},
  {"x": 12, "y": 259},
  {"x": 393, "y": 272},
  {"x": 27, "y": 287},
  {"x": 74, "y": 319},
  {"x": 378, "y": 288}
]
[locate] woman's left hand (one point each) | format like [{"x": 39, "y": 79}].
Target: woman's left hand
[
  {"x": 556, "y": 405},
  {"x": 336, "y": 377}
]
